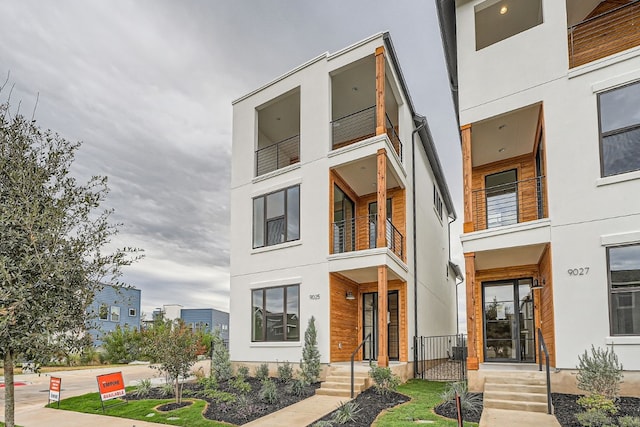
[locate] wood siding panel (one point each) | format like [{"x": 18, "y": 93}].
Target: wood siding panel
[
  {"x": 545, "y": 299},
  {"x": 344, "y": 335},
  {"x": 467, "y": 173},
  {"x": 398, "y": 216}
]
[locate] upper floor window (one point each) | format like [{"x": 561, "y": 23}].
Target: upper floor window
[
  {"x": 132, "y": 312},
  {"x": 620, "y": 129},
  {"x": 276, "y": 217},
  {"x": 103, "y": 312},
  {"x": 497, "y": 20},
  {"x": 275, "y": 314},
  {"x": 115, "y": 313},
  {"x": 624, "y": 288},
  {"x": 437, "y": 202}
]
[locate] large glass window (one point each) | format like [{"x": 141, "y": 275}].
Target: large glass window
[
  {"x": 276, "y": 217},
  {"x": 620, "y": 130},
  {"x": 275, "y": 314},
  {"x": 624, "y": 287}
]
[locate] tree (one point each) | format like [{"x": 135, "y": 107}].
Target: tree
[
  {"x": 221, "y": 368},
  {"x": 310, "y": 363},
  {"x": 175, "y": 347},
  {"x": 52, "y": 234}
]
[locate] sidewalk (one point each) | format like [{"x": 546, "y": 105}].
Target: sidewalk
[
  {"x": 503, "y": 417},
  {"x": 40, "y": 417}
]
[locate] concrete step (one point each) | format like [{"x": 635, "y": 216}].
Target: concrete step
[
  {"x": 343, "y": 386},
  {"x": 515, "y": 388},
  {"x": 346, "y": 379},
  {"x": 336, "y": 392},
  {"x": 524, "y": 380},
  {"x": 515, "y": 406},
  {"x": 515, "y": 396}
]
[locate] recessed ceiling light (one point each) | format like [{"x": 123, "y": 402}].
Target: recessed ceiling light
[
  {"x": 501, "y": 150},
  {"x": 277, "y": 118},
  {"x": 502, "y": 127},
  {"x": 504, "y": 9},
  {"x": 355, "y": 88}
]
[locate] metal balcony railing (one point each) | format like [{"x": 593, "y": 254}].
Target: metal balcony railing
[
  {"x": 359, "y": 126},
  {"x": 278, "y": 155},
  {"x": 600, "y": 36},
  {"x": 360, "y": 233},
  {"x": 508, "y": 204}
]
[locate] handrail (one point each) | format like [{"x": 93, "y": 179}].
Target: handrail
[
  {"x": 353, "y": 114},
  {"x": 353, "y": 355},
  {"x": 543, "y": 347}
]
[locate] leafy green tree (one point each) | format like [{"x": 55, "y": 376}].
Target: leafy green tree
[
  {"x": 310, "y": 363},
  {"x": 51, "y": 256},
  {"x": 174, "y": 346},
  {"x": 122, "y": 345}
]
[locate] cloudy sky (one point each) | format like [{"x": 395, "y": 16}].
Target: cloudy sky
[{"x": 147, "y": 86}]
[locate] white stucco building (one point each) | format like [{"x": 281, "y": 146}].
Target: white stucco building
[
  {"x": 319, "y": 155},
  {"x": 549, "y": 106}
]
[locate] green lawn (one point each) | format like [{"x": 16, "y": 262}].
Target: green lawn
[
  {"x": 141, "y": 410},
  {"x": 425, "y": 395}
]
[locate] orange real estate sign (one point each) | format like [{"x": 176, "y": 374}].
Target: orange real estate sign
[
  {"x": 111, "y": 386},
  {"x": 54, "y": 389}
]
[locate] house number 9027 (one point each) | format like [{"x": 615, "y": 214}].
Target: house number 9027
[{"x": 580, "y": 271}]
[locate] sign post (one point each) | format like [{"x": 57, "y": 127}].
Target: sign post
[
  {"x": 110, "y": 386},
  {"x": 55, "y": 385}
]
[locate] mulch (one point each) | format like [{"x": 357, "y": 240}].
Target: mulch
[{"x": 565, "y": 407}]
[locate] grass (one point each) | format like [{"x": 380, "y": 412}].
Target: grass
[
  {"x": 139, "y": 409},
  {"x": 425, "y": 395}
]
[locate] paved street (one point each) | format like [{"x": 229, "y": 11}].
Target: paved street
[{"x": 31, "y": 398}]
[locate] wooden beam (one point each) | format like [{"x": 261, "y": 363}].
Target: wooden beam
[
  {"x": 381, "y": 127},
  {"x": 472, "y": 323},
  {"x": 381, "y": 237},
  {"x": 383, "y": 299},
  {"x": 467, "y": 170}
]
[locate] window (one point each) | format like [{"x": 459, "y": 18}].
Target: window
[
  {"x": 620, "y": 130},
  {"x": 502, "y": 198},
  {"x": 276, "y": 217},
  {"x": 624, "y": 287},
  {"x": 275, "y": 314},
  {"x": 115, "y": 313},
  {"x": 497, "y": 20},
  {"x": 103, "y": 312},
  {"x": 132, "y": 312},
  {"x": 437, "y": 202}
]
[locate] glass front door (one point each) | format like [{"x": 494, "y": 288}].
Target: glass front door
[
  {"x": 344, "y": 236},
  {"x": 509, "y": 327},
  {"x": 370, "y": 325}
]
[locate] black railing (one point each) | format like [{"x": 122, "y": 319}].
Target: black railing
[
  {"x": 543, "y": 348},
  {"x": 392, "y": 133},
  {"x": 441, "y": 358},
  {"x": 361, "y": 233},
  {"x": 510, "y": 203},
  {"x": 354, "y": 127},
  {"x": 353, "y": 356},
  {"x": 277, "y": 156}
]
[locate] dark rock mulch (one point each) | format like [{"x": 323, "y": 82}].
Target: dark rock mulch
[
  {"x": 566, "y": 407},
  {"x": 448, "y": 410},
  {"x": 370, "y": 404},
  {"x": 244, "y": 408},
  {"x": 173, "y": 406}
]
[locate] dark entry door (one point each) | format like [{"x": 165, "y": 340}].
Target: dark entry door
[
  {"x": 509, "y": 329},
  {"x": 370, "y": 325}
]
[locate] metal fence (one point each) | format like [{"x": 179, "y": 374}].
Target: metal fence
[
  {"x": 278, "y": 155},
  {"x": 360, "y": 233},
  {"x": 354, "y": 127},
  {"x": 441, "y": 358}
]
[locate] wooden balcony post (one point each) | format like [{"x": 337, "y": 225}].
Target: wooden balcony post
[
  {"x": 383, "y": 298},
  {"x": 381, "y": 127},
  {"x": 381, "y": 237},
  {"x": 473, "y": 306},
  {"x": 467, "y": 166}
]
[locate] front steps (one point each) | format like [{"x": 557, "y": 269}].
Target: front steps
[
  {"x": 519, "y": 391},
  {"x": 338, "y": 381}
]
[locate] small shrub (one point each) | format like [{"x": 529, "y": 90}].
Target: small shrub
[
  {"x": 471, "y": 402},
  {"x": 143, "y": 388},
  {"x": 242, "y": 371},
  {"x": 629, "y": 421},
  {"x": 240, "y": 385},
  {"x": 310, "y": 363},
  {"x": 219, "y": 396},
  {"x": 322, "y": 424},
  {"x": 268, "y": 392},
  {"x": 296, "y": 387},
  {"x": 167, "y": 389},
  {"x": 262, "y": 371},
  {"x": 198, "y": 373},
  {"x": 346, "y": 412},
  {"x": 220, "y": 361},
  {"x": 285, "y": 371},
  {"x": 594, "y": 419},
  {"x": 599, "y": 373},
  {"x": 597, "y": 402},
  {"x": 385, "y": 380}
]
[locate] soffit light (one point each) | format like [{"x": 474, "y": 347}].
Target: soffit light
[{"x": 504, "y": 9}]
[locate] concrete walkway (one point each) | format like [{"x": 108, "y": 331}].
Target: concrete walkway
[
  {"x": 300, "y": 414},
  {"x": 504, "y": 417}
]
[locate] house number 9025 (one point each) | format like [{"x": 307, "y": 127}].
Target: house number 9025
[{"x": 581, "y": 271}]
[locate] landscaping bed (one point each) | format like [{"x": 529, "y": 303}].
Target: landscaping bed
[
  {"x": 449, "y": 410},
  {"x": 566, "y": 407}
]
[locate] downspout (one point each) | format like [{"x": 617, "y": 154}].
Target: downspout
[
  {"x": 455, "y": 279},
  {"x": 415, "y": 249}
]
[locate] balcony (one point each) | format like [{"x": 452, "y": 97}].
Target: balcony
[
  {"x": 278, "y": 155},
  {"x": 507, "y": 204},
  {"x": 358, "y": 234},
  {"x": 605, "y": 33},
  {"x": 361, "y": 125}
]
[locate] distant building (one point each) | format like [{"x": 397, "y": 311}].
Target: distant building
[
  {"x": 207, "y": 319},
  {"x": 114, "y": 306}
]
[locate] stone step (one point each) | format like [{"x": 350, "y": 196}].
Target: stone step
[
  {"x": 346, "y": 379},
  {"x": 515, "y": 388},
  {"x": 521, "y": 380},
  {"x": 346, "y": 371},
  {"x": 343, "y": 386},
  {"x": 336, "y": 392},
  {"x": 515, "y": 406},
  {"x": 515, "y": 396}
]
